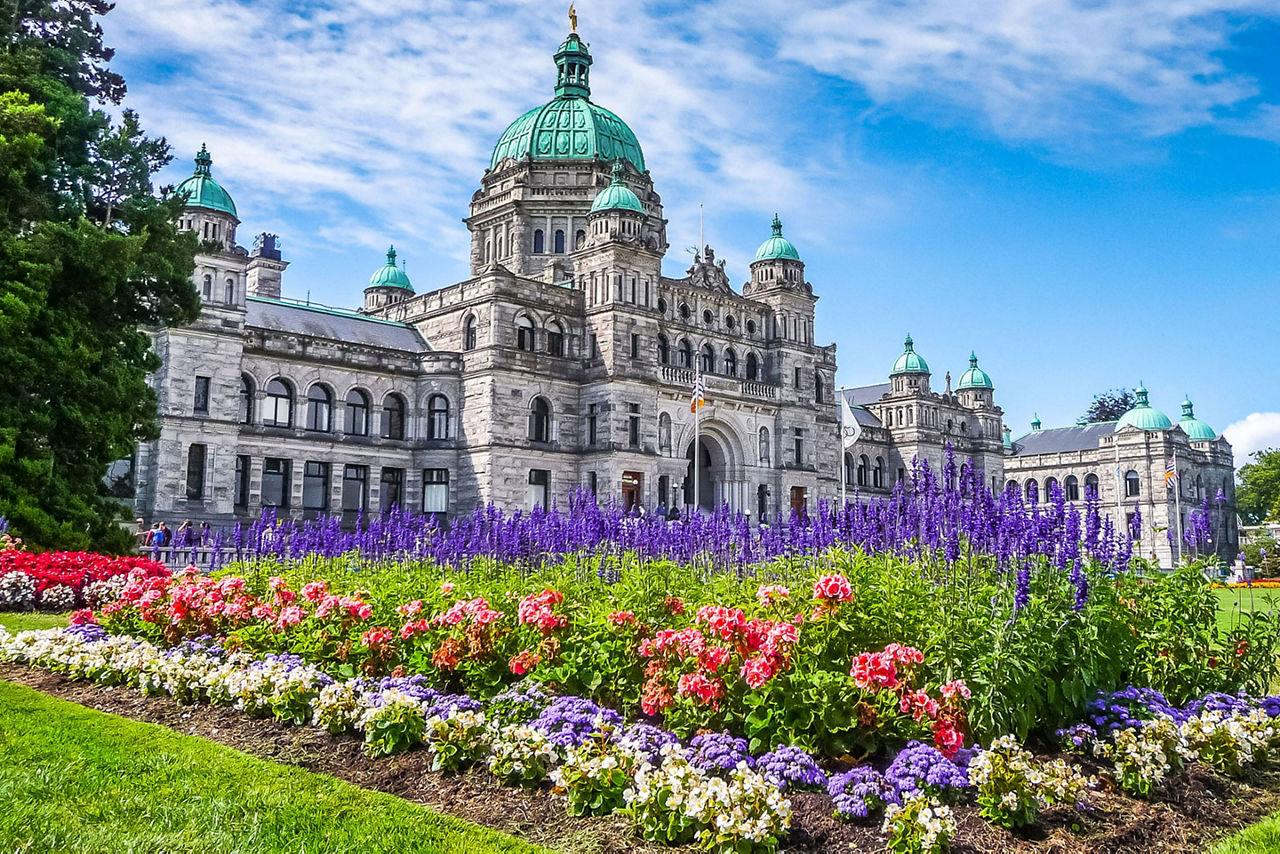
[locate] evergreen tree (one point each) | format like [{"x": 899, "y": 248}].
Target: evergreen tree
[
  {"x": 89, "y": 257},
  {"x": 1107, "y": 406}
]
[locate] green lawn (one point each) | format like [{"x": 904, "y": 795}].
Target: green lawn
[
  {"x": 76, "y": 780},
  {"x": 25, "y": 621},
  {"x": 1260, "y": 838},
  {"x": 1234, "y": 601}
]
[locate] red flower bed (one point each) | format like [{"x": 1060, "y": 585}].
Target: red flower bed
[{"x": 74, "y": 569}]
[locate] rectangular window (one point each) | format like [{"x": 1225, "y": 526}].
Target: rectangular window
[
  {"x": 195, "y": 472},
  {"x": 799, "y": 446},
  {"x": 275, "y": 482},
  {"x": 243, "y": 464},
  {"x": 435, "y": 490},
  {"x": 202, "y": 396},
  {"x": 539, "y": 488},
  {"x": 355, "y": 491},
  {"x": 798, "y": 378},
  {"x": 591, "y": 424},
  {"x": 391, "y": 493},
  {"x": 592, "y": 482},
  {"x": 635, "y": 345},
  {"x": 315, "y": 486},
  {"x": 633, "y": 425}
]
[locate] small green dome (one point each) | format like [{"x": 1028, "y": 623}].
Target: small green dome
[
  {"x": 777, "y": 246},
  {"x": 204, "y": 192},
  {"x": 570, "y": 126},
  {"x": 389, "y": 275},
  {"x": 975, "y": 377},
  {"x": 1195, "y": 429},
  {"x": 1143, "y": 416},
  {"x": 617, "y": 196},
  {"x": 909, "y": 362}
]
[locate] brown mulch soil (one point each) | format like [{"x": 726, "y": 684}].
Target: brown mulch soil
[{"x": 1200, "y": 807}]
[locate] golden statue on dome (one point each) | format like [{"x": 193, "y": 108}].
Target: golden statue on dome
[{"x": 573, "y": 19}]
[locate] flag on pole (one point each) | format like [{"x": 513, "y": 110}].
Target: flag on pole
[
  {"x": 850, "y": 429},
  {"x": 699, "y": 393},
  {"x": 1171, "y": 473}
]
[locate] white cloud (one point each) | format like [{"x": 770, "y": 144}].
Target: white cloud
[{"x": 1256, "y": 431}]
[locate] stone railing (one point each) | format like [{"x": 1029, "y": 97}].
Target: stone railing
[
  {"x": 761, "y": 391},
  {"x": 676, "y": 376},
  {"x": 716, "y": 384}
]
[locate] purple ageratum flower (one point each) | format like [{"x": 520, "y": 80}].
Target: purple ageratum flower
[
  {"x": 718, "y": 752},
  {"x": 860, "y": 791},
  {"x": 1078, "y": 736},
  {"x": 447, "y": 703},
  {"x": 200, "y": 645},
  {"x": 790, "y": 767},
  {"x": 87, "y": 632},
  {"x": 519, "y": 704},
  {"x": 647, "y": 741},
  {"x": 287, "y": 659},
  {"x": 570, "y": 721},
  {"x": 414, "y": 686},
  {"x": 1270, "y": 705},
  {"x": 921, "y": 770}
]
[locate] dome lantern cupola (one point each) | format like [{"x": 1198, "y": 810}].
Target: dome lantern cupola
[
  {"x": 573, "y": 64},
  {"x": 1143, "y": 415},
  {"x": 617, "y": 196},
  {"x": 910, "y": 362},
  {"x": 777, "y": 247},
  {"x": 1196, "y": 430},
  {"x": 204, "y": 192},
  {"x": 388, "y": 285},
  {"x": 975, "y": 377}
]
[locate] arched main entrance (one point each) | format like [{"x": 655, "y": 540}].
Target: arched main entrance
[{"x": 710, "y": 471}]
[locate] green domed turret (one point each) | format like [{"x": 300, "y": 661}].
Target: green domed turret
[
  {"x": 975, "y": 377},
  {"x": 389, "y": 275},
  {"x": 1143, "y": 416},
  {"x": 204, "y": 192},
  {"x": 1196, "y": 430},
  {"x": 570, "y": 126},
  {"x": 617, "y": 196},
  {"x": 910, "y": 361},
  {"x": 777, "y": 246}
]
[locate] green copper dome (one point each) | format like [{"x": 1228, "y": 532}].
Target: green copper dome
[
  {"x": 389, "y": 275},
  {"x": 569, "y": 127},
  {"x": 909, "y": 362},
  {"x": 204, "y": 192},
  {"x": 777, "y": 246},
  {"x": 617, "y": 196},
  {"x": 1195, "y": 429},
  {"x": 1143, "y": 415},
  {"x": 975, "y": 377}
]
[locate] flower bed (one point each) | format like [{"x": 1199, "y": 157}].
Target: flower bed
[{"x": 60, "y": 581}]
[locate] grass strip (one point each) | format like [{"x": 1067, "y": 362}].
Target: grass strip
[
  {"x": 77, "y": 780},
  {"x": 1262, "y": 837},
  {"x": 29, "y": 621}
]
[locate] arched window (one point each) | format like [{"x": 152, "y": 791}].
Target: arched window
[
  {"x": 765, "y": 456},
  {"x": 1132, "y": 484},
  {"x": 319, "y": 409},
  {"x": 555, "y": 339},
  {"x": 664, "y": 350},
  {"x": 1011, "y": 486},
  {"x": 753, "y": 367},
  {"x": 208, "y": 286},
  {"x": 357, "y": 413},
  {"x": 393, "y": 417},
  {"x": 539, "y": 241},
  {"x": 708, "y": 359},
  {"x": 1032, "y": 491},
  {"x": 279, "y": 408},
  {"x": 579, "y": 239},
  {"x": 686, "y": 353},
  {"x": 1091, "y": 486},
  {"x": 1049, "y": 484},
  {"x": 664, "y": 432},
  {"x": 730, "y": 362},
  {"x": 863, "y": 465},
  {"x": 540, "y": 420},
  {"x": 524, "y": 333},
  {"x": 1072, "y": 488},
  {"x": 559, "y": 246},
  {"x": 469, "y": 333},
  {"x": 849, "y": 470},
  {"x": 437, "y": 417},
  {"x": 230, "y": 291},
  {"x": 817, "y": 387},
  {"x": 877, "y": 474},
  {"x": 246, "y": 399}
]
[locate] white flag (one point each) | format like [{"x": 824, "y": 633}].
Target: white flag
[{"x": 850, "y": 429}]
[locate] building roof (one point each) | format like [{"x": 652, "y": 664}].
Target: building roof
[
  {"x": 865, "y": 417},
  {"x": 570, "y": 126},
  {"x": 617, "y": 196},
  {"x": 862, "y": 395},
  {"x": 333, "y": 324},
  {"x": 204, "y": 192},
  {"x": 1143, "y": 415},
  {"x": 777, "y": 246},
  {"x": 389, "y": 275},
  {"x": 1058, "y": 439},
  {"x": 975, "y": 377},
  {"x": 1195, "y": 429},
  {"x": 910, "y": 362}
]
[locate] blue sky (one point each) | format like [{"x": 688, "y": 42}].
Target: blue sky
[{"x": 1085, "y": 192}]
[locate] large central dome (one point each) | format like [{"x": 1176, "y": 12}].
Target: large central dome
[{"x": 570, "y": 126}]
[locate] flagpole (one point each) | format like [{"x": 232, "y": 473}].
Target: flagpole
[
  {"x": 1119, "y": 485},
  {"x": 697, "y": 442},
  {"x": 1177, "y": 504},
  {"x": 840, "y": 472}
]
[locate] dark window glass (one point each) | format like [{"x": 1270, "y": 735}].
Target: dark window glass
[
  {"x": 731, "y": 363},
  {"x": 633, "y": 425},
  {"x": 753, "y": 367},
  {"x": 1091, "y": 485},
  {"x": 319, "y": 409},
  {"x": 539, "y": 241},
  {"x": 686, "y": 354},
  {"x": 391, "y": 493},
  {"x": 438, "y": 417},
  {"x": 539, "y": 488},
  {"x": 435, "y": 491},
  {"x": 799, "y": 446},
  {"x": 540, "y": 420},
  {"x": 635, "y": 345},
  {"x": 708, "y": 359},
  {"x": 1072, "y": 488},
  {"x": 355, "y": 491},
  {"x": 591, "y": 424},
  {"x": 559, "y": 241},
  {"x": 275, "y": 482},
  {"x": 555, "y": 340},
  {"x": 246, "y": 399},
  {"x": 315, "y": 486},
  {"x": 279, "y": 408},
  {"x": 243, "y": 464},
  {"x": 195, "y": 472},
  {"x": 202, "y": 396},
  {"x": 1132, "y": 485},
  {"x": 664, "y": 351},
  {"x": 524, "y": 334},
  {"x": 357, "y": 413},
  {"x": 469, "y": 334},
  {"x": 393, "y": 417}
]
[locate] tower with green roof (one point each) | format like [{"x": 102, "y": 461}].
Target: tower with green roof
[
  {"x": 1143, "y": 416},
  {"x": 388, "y": 285},
  {"x": 975, "y": 389},
  {"x": 1196, "y": 430},
  {"x": 210, "y": 210}
]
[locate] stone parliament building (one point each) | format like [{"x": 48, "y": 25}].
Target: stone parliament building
[{"x": 565, "y": 361}]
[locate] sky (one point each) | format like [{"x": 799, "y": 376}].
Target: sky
[{"x": 1084, "y": 192}]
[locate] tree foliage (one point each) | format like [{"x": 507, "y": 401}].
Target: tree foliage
[
  {"x": 1258, "y": 495},
  {"x": 1107, "y": 406},
  {"x": 89, "y": 256}
]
